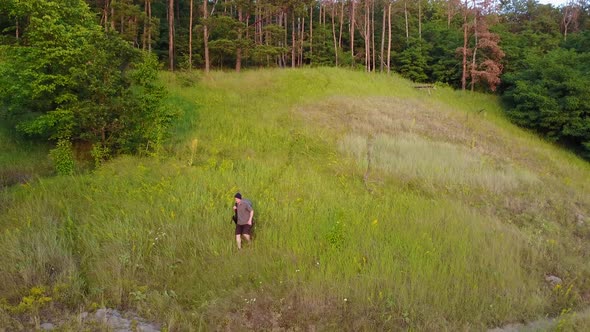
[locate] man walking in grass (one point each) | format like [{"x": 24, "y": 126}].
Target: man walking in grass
[{"x": 244, "y": 223}]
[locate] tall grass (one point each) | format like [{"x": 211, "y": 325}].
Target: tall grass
[
  {"x": 401, "y": 248},
  {"x": 20, "y": 160},
  {"x": 437, "y": 164}
]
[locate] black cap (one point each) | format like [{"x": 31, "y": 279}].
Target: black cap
[{"x": 238, "y": 195}]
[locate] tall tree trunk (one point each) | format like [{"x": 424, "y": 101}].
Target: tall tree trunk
[
  {"x": 239, "y": 49},
  {"x": 367, "y": 37},
  {"x": 419, "y": 19},
  {"x": 105, "y": 15},
  {"x": 261, "y": 26},
  {"x": 389, "y": 38},
  {"x": 145, "y": 27},
  {"x": 473, "y": 63},
  {"x": 267, "y": 38},
  {"x": 171, "y": 34},
  {"x": 310, "y": 34},
  {"x": 464, "y": 53},
  {"x": 298, "y": 37},
  {"x": 571, "y": 13},
  {"x": 382, "y": 57},
  {"x": 301, "y": 41},
  {"x": 248, "y": 26},
  {"x": 334, "y": 35},
  {"x": 190, "y": 37},
  {"x": 121, "y": 25},
  {"x": 136, "y": 29},
  {"x": 407, "y": 25},
  {"x": 341, "y": 24},
  {"x": 293, "y": 59},
  {"x": 280, "y": 57},
  {"x": 449, "y": 13},
  {"x": 352, "y": 14},
  {"x": 286, "y": 17},
  {"x": 149, "y": 37},
  {"x": 373, "y": 35},
  {"x": 17, "y": 33},
  {"x": 112, "y": 18},
  {"x": 206, "y": 35},
  {"x": 256, "y": 20}
]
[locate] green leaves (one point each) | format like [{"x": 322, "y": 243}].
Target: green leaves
[
  {"x": 56, "y": 124},
  {"x": 63, "y": 157},
  {"x": 414, "y": 61},
  {"x": 551, "y": 97},
  {"x": 68, "y": 79}
]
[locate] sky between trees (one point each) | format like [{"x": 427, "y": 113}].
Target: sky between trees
[{"x": 553, "y": 2}]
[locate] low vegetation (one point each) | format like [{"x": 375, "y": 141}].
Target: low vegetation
[
  {"x": 20, "y": 161},
  {"x": 378, "y": 207}
]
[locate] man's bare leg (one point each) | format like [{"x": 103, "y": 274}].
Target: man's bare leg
[{"x": 239, "y": 241}]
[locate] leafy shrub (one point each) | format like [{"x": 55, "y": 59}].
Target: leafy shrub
[
  {"x": 99, "y": 154},
  {"x": 550, "y": 96},
  {"x": 68, "y": 78},
  {"x": 63, "y": 157}
]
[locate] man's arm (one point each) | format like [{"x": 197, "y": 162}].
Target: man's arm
[{"x": 250, "y": 219}]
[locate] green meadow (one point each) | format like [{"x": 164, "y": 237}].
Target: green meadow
[{"x": 378, "y": 206}]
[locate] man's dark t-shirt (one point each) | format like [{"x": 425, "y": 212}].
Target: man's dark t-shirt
[{"x": 244, "y": 209}]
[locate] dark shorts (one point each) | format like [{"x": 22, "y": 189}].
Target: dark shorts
[{"x": 243, "y": 229}]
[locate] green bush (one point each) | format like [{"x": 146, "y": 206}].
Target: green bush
[
  {"x": 550, "y": 96},
  {"x": 63, "y": 157},
  {"x": 68, "y": 78}
]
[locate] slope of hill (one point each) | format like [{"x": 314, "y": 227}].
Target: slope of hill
[{"x": 378, "y": 207}]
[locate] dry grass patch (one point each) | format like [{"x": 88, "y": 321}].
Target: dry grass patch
[
  {"x": 416, "y": 137},
  {"x": 412, "y": 158},
  {"x": 431, "y": 119},
  {"x": 392, "y": 116},
  {"x": 413, "y": 141},
  {"x": 300, "y": 309}
]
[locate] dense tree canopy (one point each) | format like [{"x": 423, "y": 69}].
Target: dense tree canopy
[
  {"x": 64, "y": 78},
  {"x": 551, "y": 95}
]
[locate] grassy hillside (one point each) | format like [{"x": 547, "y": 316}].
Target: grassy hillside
[{"x": 378, "y": 207}]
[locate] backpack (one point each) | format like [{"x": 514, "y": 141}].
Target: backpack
[{"x": 234, "y": 218}]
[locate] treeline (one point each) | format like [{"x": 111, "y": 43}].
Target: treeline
[
  {"x": 446, "y": 41},
  {"x": 487, "y": 45},
  {"x": 465, "y": 43}
]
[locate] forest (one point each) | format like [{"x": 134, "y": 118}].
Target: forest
[{"x": 534, "y": 56}]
